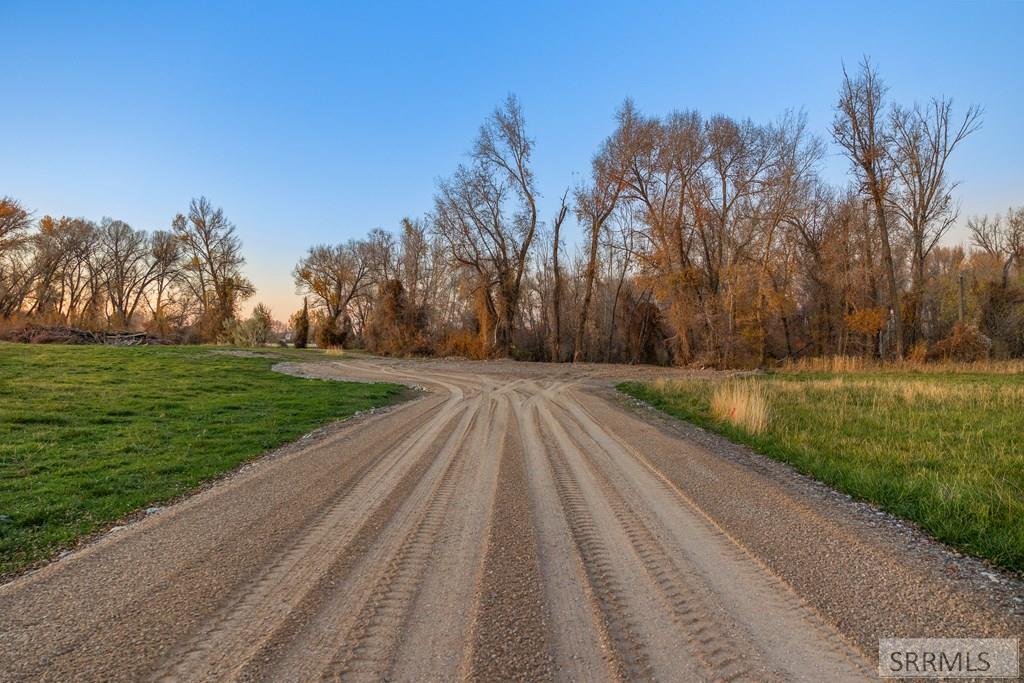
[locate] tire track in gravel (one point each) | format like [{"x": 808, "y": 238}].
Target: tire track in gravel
[
  {"x": 581, "y": 644},
  {"x": 791, "y": 634},
  {"x": 619, "y": 620},
  {"x": 417, "y": 583},
  {"x": 440, "y": 621},
  {"x": 510, "y": 635},
  {"x": 231, "y": 636},
  {"x": 718, "y": 644},
  {"x": 294, "y": 647}
]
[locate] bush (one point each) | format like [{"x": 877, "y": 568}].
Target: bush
[
  {"x": 965, "y": 344},
  {"x": 395, "y": 327},
  {"x": 300, "y": 323},
  {"x": 464, "y": 344},
  {"x": 331, "y": 334},
  {"x": 918, "y": 352},
  {"x": 252, "y": 332},
  {"x": 1002, "y": 319}
]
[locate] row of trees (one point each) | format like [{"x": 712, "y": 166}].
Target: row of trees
[
  {"x": 72, "y": 271},
  {"x": 706, "y": 239}
]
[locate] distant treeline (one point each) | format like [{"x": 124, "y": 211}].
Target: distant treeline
[
  {"x": 185, "y": 282},
  {"x": 706, "y": 240}
]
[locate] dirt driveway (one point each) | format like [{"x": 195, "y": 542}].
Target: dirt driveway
[{"x": 516, "y": 522}]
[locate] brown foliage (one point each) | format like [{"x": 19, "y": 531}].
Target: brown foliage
[
  {"x": 966, "y": 344},
  {"x": 462, "y": 344}
]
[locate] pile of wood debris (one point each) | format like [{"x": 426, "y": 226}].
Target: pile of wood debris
[{"x": 59, "y": 334}]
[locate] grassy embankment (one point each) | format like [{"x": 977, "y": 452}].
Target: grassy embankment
[
  {"x": 942, "y": 449},
  {"x": 88, "y": 434}
]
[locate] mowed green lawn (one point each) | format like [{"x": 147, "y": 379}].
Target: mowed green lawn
[
  {"x": 943, "y": 450},
  {"x": 88, "y": 433}
]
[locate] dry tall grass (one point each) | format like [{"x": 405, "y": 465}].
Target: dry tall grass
[
  {"x": 943, "y": 450},
  {"x": 745, "y": 404},
  {"x": 854, "y": 364}
]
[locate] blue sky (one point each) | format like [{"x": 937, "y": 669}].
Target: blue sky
[{"x": 318, "y": 122}]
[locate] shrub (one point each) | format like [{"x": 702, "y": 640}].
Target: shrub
[
  {"x": 332, "y": 334},
  {"x": 965, "y": 344},
  {"x": 462, "y": 343},
  {"x": 918, "y": 352},
  {"x": 300, "y": 323},
  {"x": 252, "y": 332}
]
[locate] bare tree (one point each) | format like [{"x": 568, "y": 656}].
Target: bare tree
[
  {"x": 165, "y": 255},
  {"x": 621, "y": 243},
  {"x": 487, "y": 214},
  {"x": 594, "y": 204},
  {"x": 923, "y": 139},
  {"x": 15, "y": 275},
  {"x": 1003, "y": 239},
  {"x": 14, "y": 223},
  {"x": 414, "y": 262},
  {"x": 860, "y": 128},
  {"x": 335, "y": 276},
  {"x": 556, "y": 286},
  {"x": 64, "y": 267},
  {"x": 213, "y": 264},
  {"x": 128, "y": 268}
]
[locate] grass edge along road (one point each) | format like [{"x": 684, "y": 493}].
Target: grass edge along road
[
  {"x": 90, "y": 434},
  {"x": 945, "y": 451}
]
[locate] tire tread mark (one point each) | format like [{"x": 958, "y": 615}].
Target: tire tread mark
[
  {"x": 207, "y": 643},
  {"x": 372, "y": 642},
  {"x": 629, "y": 659},
  {"x": 844, "y": 652},
  {"x": 711, "y": 644},
  {"x": 510, "y": 639}
]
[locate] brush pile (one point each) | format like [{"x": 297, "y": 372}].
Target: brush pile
[{"x": 60, "y": 334}]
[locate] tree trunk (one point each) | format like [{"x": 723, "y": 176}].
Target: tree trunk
[
  {"x": 556, "y": 301},
  {"x": 611, "y": 326},
  {"x": 588, "y": 290},
  {"x": 890, "y": 275},
  {"x": 962, "y": 303}
]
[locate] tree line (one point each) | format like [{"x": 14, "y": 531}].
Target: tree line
[
  {"x": 186, "y": 281},
  {"x": 707, "y": 239}
]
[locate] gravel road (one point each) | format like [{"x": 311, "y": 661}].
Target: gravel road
[{"x": 517, "y": 522}]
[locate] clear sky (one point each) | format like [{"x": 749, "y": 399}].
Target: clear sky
[{"x": 316, "y": 122}]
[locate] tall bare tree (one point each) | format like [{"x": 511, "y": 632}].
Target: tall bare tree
[
  {"x": 861, "y": 129},
  {"x": 128, "y": 267},
  {"x": 923, "y": 139},
  {"x": 165, "y": 253},
  {"x": 594, "y": 204},
  {"x": 335, "y": 276},
  {"x": 487, "y": 214},
  {"x": 555, "y": 342},
  {"x": 213, "y": 264}
]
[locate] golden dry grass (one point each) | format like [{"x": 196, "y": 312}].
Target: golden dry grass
[
  {"x": 857, "y": 364},
  {"x": 744, "y": 404},
  {"x": 943, "y": 450}
]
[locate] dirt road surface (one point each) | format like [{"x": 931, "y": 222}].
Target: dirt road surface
[{"x": 516, "y": 522}]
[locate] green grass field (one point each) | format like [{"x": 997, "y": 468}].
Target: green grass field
[
  {"x": 943, "y": 450},
  {"x": 88, "y": 434}
]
